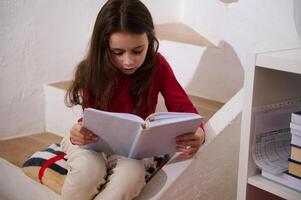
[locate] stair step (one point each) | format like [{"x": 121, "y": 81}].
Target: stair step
[
  {"x": 64, "y": 85},
  {"x": 179, "y": 32},
  {"x": 58, "y": 117},
  {"x": 18, "y": 150}
]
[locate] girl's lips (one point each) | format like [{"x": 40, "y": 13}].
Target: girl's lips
[{"x": 129, "y": 71}]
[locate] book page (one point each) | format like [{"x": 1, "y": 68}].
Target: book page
[
  {"x": 117, "y": 131},
  {"x": 160, "y": 118},
  {"x": 160, "y": 139},
  {"x": 271, "y": 148}
]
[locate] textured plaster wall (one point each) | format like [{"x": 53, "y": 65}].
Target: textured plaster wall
[
  {"x": 41, "y": 41},
  {"x": 278, "y": 24}
]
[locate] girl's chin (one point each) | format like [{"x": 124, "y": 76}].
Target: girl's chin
[{"x": 128, "y": 72}]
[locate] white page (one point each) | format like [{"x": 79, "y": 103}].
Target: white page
[
  {"x": 160, "y": 139},
  {"x": 116, "y": 130},
  {"x": 160, "y": 118}
]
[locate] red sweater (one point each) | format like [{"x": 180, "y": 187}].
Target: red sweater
[{"x": 176, "y": 100}]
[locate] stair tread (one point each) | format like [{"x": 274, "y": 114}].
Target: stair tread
[
  {"x": 18, "y": 150},
  {"x": 64, "y": 85},
  {"x": 180, "y": 32}
]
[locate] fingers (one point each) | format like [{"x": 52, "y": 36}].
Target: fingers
[
  {"x": 187, "y": 152},
  {"x": 188, "y": 140},
  {"x": 188, "y": 144},
  {"x": 81, "y": 136}
]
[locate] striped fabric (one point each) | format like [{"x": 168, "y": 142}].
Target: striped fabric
[
  {"x": 53, "y": 162},
  {"x": 40, "y": 157}
]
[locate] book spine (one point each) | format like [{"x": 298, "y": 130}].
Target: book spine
[{"x": 296, "y": 127}]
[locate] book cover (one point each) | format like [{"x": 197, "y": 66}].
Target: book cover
[
  {"x": 294, "y": 168},
  {"x": 296, "y": 153},
  {"x": 131, "y": 136},
  {"x": 296, "y": 117}
]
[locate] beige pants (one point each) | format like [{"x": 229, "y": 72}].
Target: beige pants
[{"x": 115, "y": 177}]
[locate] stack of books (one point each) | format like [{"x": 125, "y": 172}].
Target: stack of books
[{"x": 294, "y": 162}]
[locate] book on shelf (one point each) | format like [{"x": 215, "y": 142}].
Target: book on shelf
[
  {"x": 131, "y": 136},
  {"x": 295, "y": 152},
  {"x": 294, "y": 168},
  {"x": 283, "y": 178},
  {"x": 295, "y": 126},
  {"x": 296, "y": 117},
  {"x": 296, "y": 134}
]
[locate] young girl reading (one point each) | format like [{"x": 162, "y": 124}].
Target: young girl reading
[{"x": 122, "y": 72}]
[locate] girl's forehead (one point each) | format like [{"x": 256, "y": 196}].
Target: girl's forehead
[{"x": 126, "y": 40}]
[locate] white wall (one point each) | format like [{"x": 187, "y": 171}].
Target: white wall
[
  {"x": 41, "y": 42},
  {"x": 277, "y": 29},
  {"x": 237, "y": 28},
  {"x": 217, "y": 72}
]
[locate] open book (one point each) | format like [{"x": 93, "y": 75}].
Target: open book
[{"x": 131, "y": 136}]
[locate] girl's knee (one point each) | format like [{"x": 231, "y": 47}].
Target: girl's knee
[
  {"x": 87, "y": 165},
  {"x": 133, "y": 171}
]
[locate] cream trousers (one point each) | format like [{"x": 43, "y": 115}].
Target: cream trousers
[{"x": 93, "y": 175}]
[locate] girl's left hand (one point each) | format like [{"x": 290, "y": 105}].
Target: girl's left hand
[{"x": 190, "y": 143}]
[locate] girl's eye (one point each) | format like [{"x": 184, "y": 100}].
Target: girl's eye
[
  {"x": 117, "y": 53},
  {"x": 137, "y": 52}
]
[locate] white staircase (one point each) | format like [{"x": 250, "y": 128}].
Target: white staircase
[{"x": 59, "y": 119}]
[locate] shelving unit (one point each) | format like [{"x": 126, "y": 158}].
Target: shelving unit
[{"x": 271, "y": 77}]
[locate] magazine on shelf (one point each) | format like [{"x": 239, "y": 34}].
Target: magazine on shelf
[
  {"x": 129, "y": 135},
  {"x": 296, "y": 117}
]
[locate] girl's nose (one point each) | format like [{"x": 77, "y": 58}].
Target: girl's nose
[{"x": 128, "y": 60}]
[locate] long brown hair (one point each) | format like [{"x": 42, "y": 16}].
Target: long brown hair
[{"x": 96, "y": 73}]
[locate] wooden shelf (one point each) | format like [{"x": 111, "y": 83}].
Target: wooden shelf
[{"x": 180, "y": 32}]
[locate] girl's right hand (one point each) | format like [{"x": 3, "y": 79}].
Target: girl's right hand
[{"x": 79, "y": 135}]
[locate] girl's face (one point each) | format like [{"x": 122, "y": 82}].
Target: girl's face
[{"x": 128, "y": 51}]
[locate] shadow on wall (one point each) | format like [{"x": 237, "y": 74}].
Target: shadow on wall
[{"x": 219, "y": 75}]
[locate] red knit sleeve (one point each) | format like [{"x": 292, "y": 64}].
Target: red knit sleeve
[{"x": 176, "y": 99}]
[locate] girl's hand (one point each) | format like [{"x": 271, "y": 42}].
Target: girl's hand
[
  {"x": 190, "y": 143},
  {"x": 79, "y": 135}
]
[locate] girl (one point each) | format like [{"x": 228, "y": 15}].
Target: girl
[{"x": 122, "y": 72}]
